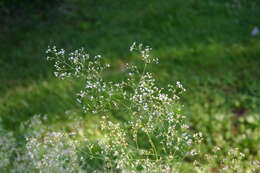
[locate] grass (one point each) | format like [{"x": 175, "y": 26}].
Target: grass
[{"x": 207, "y": 45}]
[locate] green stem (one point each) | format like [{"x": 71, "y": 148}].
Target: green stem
[{"x": 153, "y": 146}]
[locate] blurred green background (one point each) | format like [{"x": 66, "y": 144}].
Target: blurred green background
[{"x": 207, "y": 45}]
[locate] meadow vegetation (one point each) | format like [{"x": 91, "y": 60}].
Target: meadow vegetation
[{"x": 126, "y": 111}]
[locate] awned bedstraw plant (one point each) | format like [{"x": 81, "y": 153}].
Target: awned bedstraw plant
[
  {"x": 152, "y": 135},
  {"x": 155, "y": 136}
]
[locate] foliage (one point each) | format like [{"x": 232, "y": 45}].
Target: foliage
[{"x": 205, "y": 44}]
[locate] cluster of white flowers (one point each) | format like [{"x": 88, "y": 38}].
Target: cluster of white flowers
[
  {"x": 229, "y": 161},
  {"x": 53, "y": 152},
  {"x": 154, "y": 114},
  {"x": 74, "y": 64},
  {"x": 42, "y": 151},
  {"x": 145, "y": 52}
]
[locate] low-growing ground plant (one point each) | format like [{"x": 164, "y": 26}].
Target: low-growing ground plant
[{"x": 43, "y": 150}]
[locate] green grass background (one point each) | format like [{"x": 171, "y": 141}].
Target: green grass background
[{"x": 207, "y": 45}]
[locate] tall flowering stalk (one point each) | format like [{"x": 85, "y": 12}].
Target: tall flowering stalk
[{"x": 155, "y": 136}]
